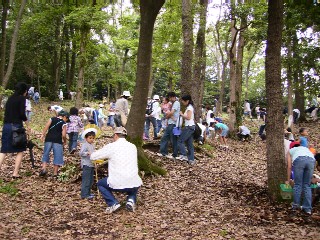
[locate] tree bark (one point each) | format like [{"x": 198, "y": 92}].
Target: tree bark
[
  {"x": 67, "y": 57},
  {"x": 289, "y": 79},
  {"x": 84, "y": 35},
  {"x": 3, "y": 38},
  {"x": 276, "y": 167},
  {"x": 73, "y": 55},
  {"x": 187, "y": 49},
  {"x": 14, "y": 44},
  {"x": 248, "y": 72},
  {"x": 135, "y": 124},
  {"x": 56, "y": 59},
  {"x": 200, "y": 60},
  {"x": 299, "y": 94}
]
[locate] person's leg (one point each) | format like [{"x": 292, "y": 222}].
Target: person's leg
[
  {"x": 106, "y": 192},
  {"x": 155, "y": 126},
  {"x": 298, "y": 169},
  {"x": 70, "y": 141},
  {"x": 147, "y": 127},
  {"x": 132, "y": 194},
  {"x": 306, "y": 181},
  {"x": 174, "y": 140},
  {"x": 57, "y": 157},
  {"x": 17, "y": 164},
  {"x": 2, "y": 156},
  {"x": 91, "y": 178},
  {"x": 181, "y": 141},
  {"x": 46, "y": 155},
  {"x": 159, "y": 124},
  {"x": 190, "y": 146},
  {"x": 75, "y": 140},
  {"x": 164, "y": 140},
  {"x": 85, "y": 183}
]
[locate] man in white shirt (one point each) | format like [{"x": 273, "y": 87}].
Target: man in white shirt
[
  {"x": 152, "y": 114},
  {"x": 122, "y": 109},
  {"x": 122, "y": 171},
  {"x": 247, "y": 108}
]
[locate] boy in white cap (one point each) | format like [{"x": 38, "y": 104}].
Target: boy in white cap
[
  {"x": 122, "y": 171},
  {"x": 87, "y": 149}
]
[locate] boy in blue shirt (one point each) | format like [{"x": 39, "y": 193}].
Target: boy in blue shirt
[{"x": 303, "y": 137}]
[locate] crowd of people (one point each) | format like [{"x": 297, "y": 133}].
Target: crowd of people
[{"x": 176, "y": 127}]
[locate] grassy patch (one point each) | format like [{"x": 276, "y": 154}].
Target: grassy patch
[
  {"x": 67, "y": 172},
  {"x": 9, "y": 188}
]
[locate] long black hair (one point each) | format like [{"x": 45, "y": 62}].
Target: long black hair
[
  {"x": 187, "y": 98},
  {"x": 20, "y": 88}
]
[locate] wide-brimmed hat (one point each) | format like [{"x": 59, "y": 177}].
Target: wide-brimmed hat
[
  {"x": 83, "y": 134},
  {"x": 126, "y": 94},
  {"x": 156, "y": 97},
  {"x": 120, "y": 130}
]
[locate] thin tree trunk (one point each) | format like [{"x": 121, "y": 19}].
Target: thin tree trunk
[
  {"x": 289, "y": 79},
  {"x": 151, "y": 85},
  {"x": 276, "y": 167},
  {"x": 84, "y": 35},
  {"x": 299, "y": 94},
  {"x": 13, "y": 44},
  {"x": 3, "y": 38},
  {"x": 248, "y": 72},
  {"x": 73, "y": 55},
  {"x": 187, "y": 50},
  {"x": 67, "y": 57},
  {"x": 200, "y": 59}
]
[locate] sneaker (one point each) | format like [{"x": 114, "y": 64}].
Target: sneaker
[
  {"x": 200, "y": 143},
  {"x": 169, "y": 156},
  {"x": 113, "y": 208},
  {"x": 192, "y": 162},
  {"x": 90, "y": 197},
  {"x": 160, "y": 155},
  {"x": 130, "y": 206},
  {"x": 182, "y": 158},
  {"x": 43, "y": 173}
]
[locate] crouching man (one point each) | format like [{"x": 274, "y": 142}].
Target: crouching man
[{"x": 122, "y": 171}]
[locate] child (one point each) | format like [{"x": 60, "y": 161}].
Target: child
[
  {"x": 244, "y": 133},
  {"x": 111, "y": 114},
  {"x": 303, "y": 137},
  {"x": 87, "y": 167},
  {"x": 28, "y": 108},
  {"x": 73, "y": 129},
  {"x": 165, "y": 108},
  {"x": 54, "y": 135},
  {"x": 288, "y": 134},
  {"x": 222, "y": 130},
  {"x": 101, "y": 116}
]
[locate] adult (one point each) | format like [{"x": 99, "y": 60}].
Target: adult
[
  {"x": 172, "y": 117},
  {"x": 208, "y": 116},
  {"x": 122, "y": 171},
  {"x": 187, "y": 132},
  {"x": 111, "y": 114},
  {"x": 302, "y": 161},
  {"x": 87, "y": 113},
  {"x": 36, "y": 96},
  {"x": 72, "y": 95},
  {"x": 55, "y": 109},
  {"x": 258, "y": 111},
  {"x": 14, "y": 115},
  {"x": 151, "y": 116},
  {"x": 122, "y": 109},
  {"x": 247, "y": 108},
  {"x": 296, "y": 115},
  {"x": 60, "y": 95},
  {"x": 244, "y": 133}
]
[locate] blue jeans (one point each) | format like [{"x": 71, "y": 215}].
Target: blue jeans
[
  {"x": 187, "y": 137},
  {"x": 168, "y": 136},
  {"x": 57, "y": 153},
  {"x": 73, "y": 139},
  {"x": 303, "y": 169},
  {"x": 147, "y": 126},
  {"x": 106, "y": 192},
  {"x": 159, "y": 124},
  {"x": 87, "y": 181},
  {"x": 110, "y": 121}
]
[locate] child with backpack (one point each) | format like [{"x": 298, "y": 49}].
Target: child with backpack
[{"x": 54, "y": 136}]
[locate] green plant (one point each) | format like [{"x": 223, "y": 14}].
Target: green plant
[
  {"x": 67, "y": 172},
  {"x": 9, "y": 188}
]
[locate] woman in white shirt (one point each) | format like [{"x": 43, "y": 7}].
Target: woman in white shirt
[{"x": 187, "y": 132}]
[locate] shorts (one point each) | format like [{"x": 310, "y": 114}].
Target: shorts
[
  {"x": 224, "y": 132},
  {"x": 57, "y": 153}
]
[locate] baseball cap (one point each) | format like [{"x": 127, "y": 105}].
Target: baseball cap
[{"x": 120, "y": 130}]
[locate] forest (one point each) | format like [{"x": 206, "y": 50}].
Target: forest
[{"x": 221, "y": 52}]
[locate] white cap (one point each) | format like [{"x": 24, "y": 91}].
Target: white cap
[
  {"x": 87, "y": 131},
  {"x": 120, "y": 130},
  {"x": 126, "y": 93},
  {"x": 156, "y": 97},
  {"x": 101, "y": 105}
]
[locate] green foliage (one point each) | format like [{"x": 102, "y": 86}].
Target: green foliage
[
  {"x": 67, "y": 172},
  {"x": 9, "y": 188}
]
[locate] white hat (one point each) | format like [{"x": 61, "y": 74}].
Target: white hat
[
  {"x": 120, "y": 130},
  {"x": 87, "y": 131},
  {"x": 156, "y": 97},
  {"x": 101, "y": 105},
  {"x": 126, "y": 93}
]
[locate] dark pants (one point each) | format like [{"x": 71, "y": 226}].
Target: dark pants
[
  {"x": 87, "y": 181},
  {"x": 73, "y": 139},
  {"x": 106, "y": 192}
]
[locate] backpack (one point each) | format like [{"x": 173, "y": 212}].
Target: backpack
[
  {"x": 197, "y": 132},
  {"x": 149, "y": 108}
]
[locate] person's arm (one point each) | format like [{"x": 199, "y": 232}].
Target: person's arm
[
  {"x": 64, "y": 133},
  {"x": 101, "y": 153},
  {"x": 289, "y": 162},
  {"x": 84, "y": 151},
  {"x": 186, "y": 115},
  {"x": 126, "y": 108},
  {"x": 22, "y": 110},
  {"x": 45, "y": 130}
]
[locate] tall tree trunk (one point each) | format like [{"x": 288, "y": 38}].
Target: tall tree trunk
[
  {"x": 84, "y": 35},
  {"x": 135, "y": 124},
  {"x": 56, "y": 58},
  {"x": 151, "y": 85},
  {"x": 73, "y": 56},
  {"x": 187, "y": 50},
  {"x": 233, "y": 79},
  {"x": 14, "y": 44},
  {"x": 299, "y": 94},
  {"x": 3, "y": 38},
  {"x": 289, "y": 79},
  {"x": 248, "y": 72},
  {"x": 67, "y": 57},
  {"x": 222, "y": 87},
  {"x": 276, "y": 167},
  {"x": 238, "y": 87},
  {"x": 200, "y": 60}
]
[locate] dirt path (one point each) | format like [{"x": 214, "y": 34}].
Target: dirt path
[{"x": 223, "y": 197}]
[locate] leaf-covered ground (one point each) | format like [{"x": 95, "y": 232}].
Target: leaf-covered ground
[{"x": 222, "y": 197}]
